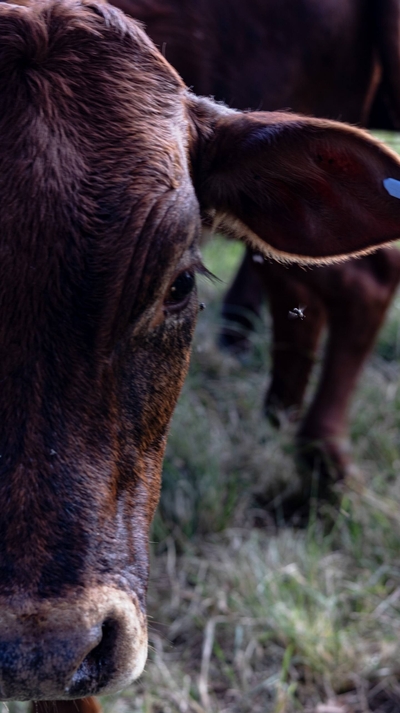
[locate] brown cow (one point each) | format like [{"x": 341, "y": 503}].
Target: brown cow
[
  {"x": 108, "y": 166},
  {"x": 322, "y": 58}
]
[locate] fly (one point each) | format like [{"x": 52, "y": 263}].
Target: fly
[{"x": 297, "y": 312}]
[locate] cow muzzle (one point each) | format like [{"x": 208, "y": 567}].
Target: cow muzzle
[{"x": 64, "y": 649}]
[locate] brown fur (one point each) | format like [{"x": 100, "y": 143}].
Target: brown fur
[
  {"x": 324, "y": 59},
  {"x": 276, "y": 54},
  {"x": 107, "y": 167}
]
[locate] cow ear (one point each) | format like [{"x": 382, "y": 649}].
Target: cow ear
[{"x": 307, "y": 190}]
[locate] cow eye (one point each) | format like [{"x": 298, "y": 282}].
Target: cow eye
[{"x": 179, "y": 291}]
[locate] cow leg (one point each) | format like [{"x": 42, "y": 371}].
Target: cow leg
[
  {"x": 295, "y": 341},
  {"x": 356, "y": 310},
  {"x": 81, "y": 705},
  {"x": 353, "y": 299},
  {"x": 241, "y": 306}
]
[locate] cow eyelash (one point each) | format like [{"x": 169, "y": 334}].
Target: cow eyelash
[{"x": 201, "y": 269}]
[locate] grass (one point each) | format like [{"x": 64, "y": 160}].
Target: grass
[{"x": 262, "y": 619}]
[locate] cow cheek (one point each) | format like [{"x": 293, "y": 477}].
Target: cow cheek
[
  {"x": 151, "y": 377},
  {"x": 153, "y": 463}
]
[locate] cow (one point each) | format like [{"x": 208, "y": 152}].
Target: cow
[
  {"x": 109, "y": 167},
  {"x": 339, "y": 60}
]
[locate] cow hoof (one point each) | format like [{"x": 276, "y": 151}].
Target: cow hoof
[
  {"x": 323, "y": 463},
  {"x": 274, "y": 415},
  {"x": 294, "y": 508},
  {"x": 277, "y": 414},
  {"x": 324, "y": 466}
]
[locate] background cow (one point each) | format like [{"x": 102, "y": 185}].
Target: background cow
[
  {"x": 108, "y": 168},
  {"x": 324, "y": 59}
]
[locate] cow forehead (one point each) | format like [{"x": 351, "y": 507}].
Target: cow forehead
[
  {"x": 90, "y": 75},
  {"x": 83, "y": 85},
  {"x": 94, "y": 143}
]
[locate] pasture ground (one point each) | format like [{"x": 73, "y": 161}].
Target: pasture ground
[{"x": 264, "y": 619}]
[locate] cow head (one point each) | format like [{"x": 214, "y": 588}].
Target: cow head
[{"x": 108, "y": 166}]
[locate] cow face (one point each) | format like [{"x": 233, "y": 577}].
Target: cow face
[
  {"x": 108, "y": 166},
  {"x": 98, "y": 252}
]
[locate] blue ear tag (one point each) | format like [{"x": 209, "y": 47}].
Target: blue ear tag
[{"x": 392, "y": 186}]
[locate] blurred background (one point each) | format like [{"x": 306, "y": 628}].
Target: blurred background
[{"x": 246, "y": 614}]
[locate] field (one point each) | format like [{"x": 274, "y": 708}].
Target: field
[{"x": 270, "y": 619}]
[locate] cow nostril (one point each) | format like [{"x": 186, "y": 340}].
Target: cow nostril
[
  {"x": 101, "y": 654},
  {"x": 98, "y": 665}
]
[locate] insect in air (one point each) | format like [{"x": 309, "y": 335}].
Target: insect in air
[{"x": 297, "y": 312}]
